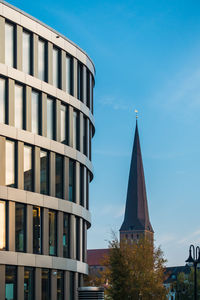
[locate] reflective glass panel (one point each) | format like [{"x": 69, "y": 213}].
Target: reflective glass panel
[
  {"x": 71, "y": 286},
  {"x": 68, "y": 74},
  {"x": 52, "y": 232},
  {"x": 82, "y": 190},
  {"x": 71, "y": 180},
  {"x": 59, "y": 176},
  {"x": 28, "y": 283},
  {"x": 77, "y": 238},
  {"x": 35, "y": 112},
  {"x": 20, "y": 226},
  {"x": 80, "y": 82},
  {"x": 76, "y": 132},
  {"x": 10, "y": 163},
  {"x": 66, "y": 235},
  {"x": 41, "y": 60},
  {"x": 2, "y": 225},
  {"x": 60, "y": 285},
  {"x": 44, "y": 172},
  {"x": 50, "y": 119},
  {"x": 26, "y": 63},
  {"x": 88, "y": 88},
  {"x": 9, "y": 44},
  {"x": 46, "y": 284},
  {"x": 2, "y": 100},
  {"x": 37, "y": 229},
  {"x": 55, "y": 67},
  {"x": 28, "y": 172},
  {"x": 19, "y": 106},
  {"x": 63, "y": 124},
  {"x": 85, "y": 136},
  {"x": 11, "y": 283}
]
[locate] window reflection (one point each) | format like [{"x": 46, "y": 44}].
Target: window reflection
[
  {"x": 64, "y": 124},
  {"x": 35, "y": 112},
  {"x": 41, "y": 60},
  {"x": 88, "y": 88},
  {"x": 82, "y": 190},
  {"x": 44, "y": 172},
  {"x": 26, "y": 63},
  {"x": 18, "y": 106},
  {"x": 68, "y": 74},
  {"x": 85, "y": 135},
  {"x": 59, "y": 176},
  {"x": 9, "y": 44},
  {"x": 11, "y": 283},
  {"x": 60, "y": 285},
  {"x": 2, "y": 225},
  {"x": 72, "y": 181},
  {"x": 55, "y": 67},
  {"x": 52, "y": 232},
  {"x": 10, "y": 163},
  {"x": 20, "y": 227},
  {"x": 28, "y": 172},
  {"x": 76, "y": 132},
  {"x": 37, "y": 230},
  {"x": 71, "y": 286},
  {"x": 77, "y": 238},
  {"x": 28, "y": 283},
  {"x": 46, "y": 284},
  {"x": 80, "y": 82},
  {"x": 66, "y": 235},
  {"x": 2, "y": 99},
  {"x": 50, "y": 119}
]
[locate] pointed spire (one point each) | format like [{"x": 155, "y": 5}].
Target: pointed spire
[{"x": 136, "y": 214}]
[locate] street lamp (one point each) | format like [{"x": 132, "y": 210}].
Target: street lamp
[{"x": 194, "y": 260}]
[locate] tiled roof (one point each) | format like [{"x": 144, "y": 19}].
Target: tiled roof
[{"x": 96, "y": 256}]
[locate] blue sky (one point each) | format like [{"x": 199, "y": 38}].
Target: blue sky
[{"x": 147, "y": 56}]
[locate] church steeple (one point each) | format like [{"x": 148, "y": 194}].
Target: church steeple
[{"x": 136, "y": 220}]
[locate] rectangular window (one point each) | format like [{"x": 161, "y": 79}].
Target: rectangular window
[
  {"x": 82, "y": 185},
  {"x": 28, "y": 283},
  {"x": 9, "y": 45},
  {"x": 88, "y": 88},
  {"x": 76, "y": 130},
  {"x": 2, "y": 100},
  {"x": 19, "y": 106},
  {"x": 35, "y": 112},
  {"x": 77, "y": 238},
  {"x": 68, "y": 74},
  {"x": 80, "y": 82},
  {"x": 56, "y": 67},
  {"x": 46, "y": 284},
  {"x": 37, "y": 230},
  {"x": 85, "y": 136},
  {"x": 41, "y": 60},
  {"x": 2, "y": 225},
  {"x": 60, "y": 285},
  {"x": 11, "y": 283},
  {"x": 87, "y": 188},
  {"x": 52, "y": 232},
  {"x": 20, "y": 227},
  {"x": 83, "y": 240},
  {"x": 71, "y": 286},
  {"x": 90, "y": 142},
  {"x": 59, "y": 176},
  {"x": 64, "y": 124},
  {"x": 50, "y": 119},
  {"x": 26, "y": 56},
  {"x": 91, "y": 93},
  {"x": 72, "y": 181},
  {"x": 44, "y": 172},
  {"x": 66, "y": 235},
  {"x": 28, "y": 171},
  {"x": 10, "y": 163}
]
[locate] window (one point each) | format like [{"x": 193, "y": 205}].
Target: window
[
  {"x": 28, "y": 172},
  {"x": 20, "y": 227},
  {"x": 2, "y": 100},
  {"x": 59, "y": 176},
  {"x": 28, "y": 283},
  {"x": 44, "y": 172},
  {"x": 80, "y": 82},
  {"x": 46, "y": 286},
  {"x": 91, "y": 93},
  {"x": 50, "y": 119},
  {"x": 64, "y": 124},
  {"x": 77, "y": 238},
  {"x": 88, "y": 88},
  {"x": 41, "y": 59},
  {"x": 37, "y": 230},
  {"x": 60, "y": 285},
  {"x": 85, "y": 136},
  {"x": 82, "y": 190},
  {"x": 2, "y": 225},
  {"x": 72, "y": 180},
  {"x": 90, "y": 142},
  {"x": 11, "y": 283},
  {"x": 52, "y": 232},
  {"x": 76, "y": 131},
  {"x": 56, "y": 67},
  {"x": 9, "y": 45},
  {"x": 83, "y": 241},
  {"x": 10, "y": 163},
  {"x": 68, "y": 74},
  {"x": 87, "y": 188},
  {"x": 71, "y": 286},
  {"x": 35, "y": 113},
  {"x": 19, "y": 106},
  {"x": 26, "y": 54},
  {"x": 66, "y": 235}
]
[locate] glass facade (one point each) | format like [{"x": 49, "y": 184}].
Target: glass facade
[
  {"x": 66, "y": 235},
  {"x": 80, "y": 81},
  {"x": 10, "y": 163},
  {"x": 44, "y": 172},
  {"x": 26, "y": 50},
  {"x": 28, "y": 171},
  {"x": 11, "y": 283},
  {"x": 85, "y": 136},
  {"x": 82, "y": 185},
  {"x": 2, "y": 225},
  {"x": 52, "y": 232},
  {"x": 76, "y": 131},
  {"x": 77, "y": 238},
  {"x": 9, "y": 45},
  {"x": 20, "y": 227},
  {"x": 19, "y": 106},
  {"x": 28, "y": 283},
  {"x": 64, "y": 124},
  {"x": 68, "y": 74},
  {"x": 88, "y": 88},
  {"x": 41, "y": 59},
  {"x": 59, "y": 176},
  {"x": 37, "y": 230},
  {"x": 72, "y": 180},
  {"x": 50, "y": 119},
  {"x": 35, "y": 113},
  {"x": 60, "y": 285},
  {"x": 46, "y": 284},
  {"x": 71, "y": 286},
  {"x": 56, "y": 68},
  {"x": 2, "y": 100}
]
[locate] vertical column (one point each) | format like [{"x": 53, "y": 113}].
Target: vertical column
[
  {"x": 75, "y": 66},
  {"x": 2, "y": 282},
  {"x": 84, "y": 85},
  {"x": 63, "y": 70},
  {"x": 76, "y": 286},
  {"x": 2, "y": 40},
  {"x": 38, "y": 284},
  {"x": 58, "y": 103},
  {"x": 20, "y": 165},
  {"x": 29, "y": 229},
  {"x": 81, "y": 239},
  {"x": 66, "y": 285},
  {"x": 35, "y": 55},
  {"x": 45, "y": 235},
  {"x": 71, "y": 129},
  {"x": 53, "y": 285},
  {"x": 81, "y": 132},
  {"x": 50, "y": 63},
  {"x": 20, "y": 282},
  {"x": 72, "y": 237},
  {"x": 11, "y": 104},
  {"x": 66, "y": 178},
  {"x": 19, "y": 47},
  {"x": 44, "y": 114},
  {"x": 77, "y": 185},
  {"x": 37, "y": 170},
  {"x": 11, "y": 226},
  {"x": 28, "y": 108},
  {"x": 2, "y": 160},
  {"x": 60, "y": 234},
  {"x": 52, "y": 173}
]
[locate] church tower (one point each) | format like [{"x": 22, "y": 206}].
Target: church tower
[{"x": 136, "y": 220}]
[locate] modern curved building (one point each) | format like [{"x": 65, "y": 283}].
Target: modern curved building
[{"x": 46, "y": 127}]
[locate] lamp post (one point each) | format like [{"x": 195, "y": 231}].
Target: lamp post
[{"x": 194, "y": 260}]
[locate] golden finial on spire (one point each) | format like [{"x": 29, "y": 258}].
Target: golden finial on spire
[{"x": 136, "y": 112}]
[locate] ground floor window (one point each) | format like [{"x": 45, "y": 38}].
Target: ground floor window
[{"x": 11, "y": 283}]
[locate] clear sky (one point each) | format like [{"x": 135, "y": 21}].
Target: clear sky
[{"x": 147, "y": 56}]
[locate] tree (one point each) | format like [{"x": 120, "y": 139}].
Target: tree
[
  {"x": 134, "y": 271},
  {"x": 184, "y": 286}
]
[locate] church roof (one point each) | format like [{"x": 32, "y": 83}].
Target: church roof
[{"x": 136, "y": 214}]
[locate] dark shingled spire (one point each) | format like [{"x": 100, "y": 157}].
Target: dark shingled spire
[{"x": 136, "y": 214}]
